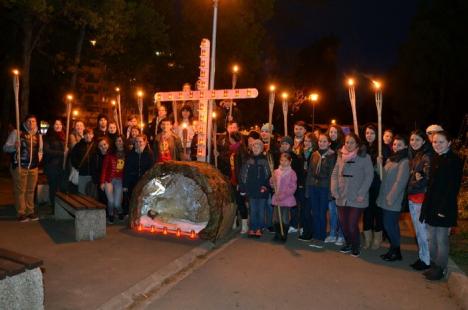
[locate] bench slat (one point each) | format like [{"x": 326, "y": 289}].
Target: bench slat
[
  {"x": 28, "y": 261},
  {"x": 11, "y": 268},
  {"x": 89, "y": 203},
  {"x": 70, "y": 201}
]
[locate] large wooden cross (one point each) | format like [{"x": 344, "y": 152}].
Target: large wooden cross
[{"x": 203, "y": 95}]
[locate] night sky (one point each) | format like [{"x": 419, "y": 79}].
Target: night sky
[{"x": 370, "y": 32}]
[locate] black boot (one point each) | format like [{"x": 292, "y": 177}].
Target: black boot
[
  {"x": 395, "y": 255},
  {"x": 284, "y": 237},
  {"x": 388, "y": 254},
  {"x": 435, "y": 273}
]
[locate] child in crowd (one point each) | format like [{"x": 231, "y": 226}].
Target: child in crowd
[
  {"x": 284, "y": 182},
  {"x": 167, "y": 145},
  {"x": 254, "y": 178},
  {"x": 111, "y": 178}
]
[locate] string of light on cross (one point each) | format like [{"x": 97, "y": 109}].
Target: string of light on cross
[{"x": 203, "y": 95}]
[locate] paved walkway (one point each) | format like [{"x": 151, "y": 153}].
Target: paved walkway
[{"x": 251, "y": 274}]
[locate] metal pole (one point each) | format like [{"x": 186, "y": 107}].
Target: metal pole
[{"x": 212, "y": 78}]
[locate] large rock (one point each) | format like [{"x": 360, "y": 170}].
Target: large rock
[{"x": 184, "y": 194}]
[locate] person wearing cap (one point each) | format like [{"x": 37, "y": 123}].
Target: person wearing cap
[
  {"x": 254, "y": 183},
  {"x": 431, "y": 130},
  {"x": 297, "y": 164}
]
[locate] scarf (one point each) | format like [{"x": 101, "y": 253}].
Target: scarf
[
  {"x": 348, "y": 156},
  {"x": 397, "y": 156}
]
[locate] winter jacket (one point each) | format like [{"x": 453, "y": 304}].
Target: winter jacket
[
  {"x": 320, "y": 168},
  {"x": 136, "y": 165},
  {"x": 80, "y": 160},
  {"x": 440, "y": 203},
  {"x": 96, "y": 161},
  {"x": 112, "y": 167},
  {"x": 174, "y": 144},
  {"x": 420, "y": 162},
  {"x": 54, "y": 147},
  {"x": 31, "y": 146},
  {"x": 394, "y": 182},
  {"x": 255, "y": 174},
  {"x": 284, "y": 183},
  {"x": 297, "y": 164},
  {"x": 352, "y": 179}
]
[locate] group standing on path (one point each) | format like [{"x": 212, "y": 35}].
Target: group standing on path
[{"x": 281, "y": 185}]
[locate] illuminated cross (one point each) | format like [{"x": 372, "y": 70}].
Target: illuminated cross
[{"x": 203, "y": 94}]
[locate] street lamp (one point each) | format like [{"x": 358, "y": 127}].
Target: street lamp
[{"x": 313, "y": 98}]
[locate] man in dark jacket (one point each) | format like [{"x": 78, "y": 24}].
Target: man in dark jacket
[
  {"x": 80, "y": 159},
  {"x": 25, "y": 177}
]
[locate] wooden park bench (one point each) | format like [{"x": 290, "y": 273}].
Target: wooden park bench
[
  {"x": 89, "y": 215},
  {"x": 21, "y": 285}
]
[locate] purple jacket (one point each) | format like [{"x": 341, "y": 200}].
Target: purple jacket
[{"x": 285, "y": 183}]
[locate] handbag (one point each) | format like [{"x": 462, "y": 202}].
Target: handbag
[{"x": 74, "y": 176}]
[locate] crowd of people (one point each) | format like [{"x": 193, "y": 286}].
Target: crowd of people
[{"x": 281, "y": 184}]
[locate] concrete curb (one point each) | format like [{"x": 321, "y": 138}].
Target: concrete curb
[
  {"x": 458, "y": 284},
  {"x": 158, "y": 283},
  {"x": 143, "y": 289}
]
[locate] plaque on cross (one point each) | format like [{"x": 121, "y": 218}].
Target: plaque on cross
[{"x": 203, "y": 94}]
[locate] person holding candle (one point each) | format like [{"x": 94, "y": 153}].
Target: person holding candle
[
  {"x": 30, "y": 146},
  {"x": 439, "y": 210},
  {"x": 167, "y": 145},
  {"x": 254, "y": 183},
  {"x": 391, "y": 194},
  {"x": 185, "y": 130},
  {"x": 54, "y": 148},
  {"x": 350, "y": 182},
  {"x": 420, "y": 154}
]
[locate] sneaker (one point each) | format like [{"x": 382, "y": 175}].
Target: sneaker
[
  {"x": 346, "y": 249},
  {"x": 258, "y": 233},
  {"x": 33, "y": 217},
  {"x": 23, "y": 218},
  {"x": 304, "y": 238},
  {"x": 316, "y": 244},
  {"x": 355, "y": 253},
  {"x": 340, "y": 241},
  {"x": 292, "y": 230},
  {"x": 435, "y": 274},
  {"x": 330, "y": 239}
]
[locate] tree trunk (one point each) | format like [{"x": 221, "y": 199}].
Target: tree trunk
[{"x": 76, "y": 63}]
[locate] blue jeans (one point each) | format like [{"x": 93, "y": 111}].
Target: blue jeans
[
  {"x": 318, "y": 201},
  {"x": 391, "y": 221},
  {"x": 421, "y": 232},
  {"x": 269, "y": 213},
  {"x": 438, "y": 244},
  {"x": 257, "y": 213},
  {"x": 335, "y": 226},
  {"x": 113, "y": 192}
]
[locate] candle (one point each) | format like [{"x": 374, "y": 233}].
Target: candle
[{"x": 285, "y": 95}]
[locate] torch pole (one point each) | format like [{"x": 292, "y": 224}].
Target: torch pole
[
  {"x": 285, "y": 116},
  {"x": 378, "y": 103},
  {"x": 234, "y": 82},
  {"x": 352, "y": 99},
  {"x": 67, "y": 131},
  {"x": 17, "y": 111},
  {"x": 119, "y": 107},
  {"x": 271, "y": 105}
]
